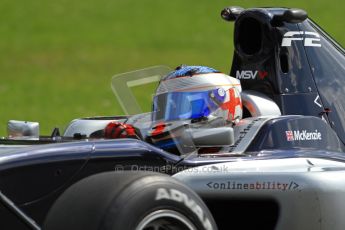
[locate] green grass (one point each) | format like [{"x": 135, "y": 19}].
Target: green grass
[
  {"x": 57, "y": 57},
  {"x": 144, "y": 95}
]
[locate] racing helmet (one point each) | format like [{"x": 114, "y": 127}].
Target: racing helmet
[{"x": 195, "y": 92}]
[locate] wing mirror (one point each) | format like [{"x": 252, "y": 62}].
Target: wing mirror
[
  {"x": 231, "y": 13},
  {"x": 212, "y": 137},
  {"x": 23, "y": 129}
]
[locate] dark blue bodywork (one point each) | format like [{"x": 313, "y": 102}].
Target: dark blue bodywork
[
  {"x": 34, "y": 177},
  {"x": 301, "y": 80}
]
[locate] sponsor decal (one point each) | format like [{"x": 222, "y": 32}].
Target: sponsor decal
[
  {"x": 255, "y": 185},
  {"x": 303, "y": 135},
  {"x": 244, "y": 132},
  {"x": 289, "y": 135},
  {"x": 316, "y": 101},
  {"x": 181, "y": 197},
  {"x": 308, "y": 38},
  {"x": 251, "y": 75}
]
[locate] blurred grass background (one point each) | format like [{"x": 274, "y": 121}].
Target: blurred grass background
[{"x": 57, "y": 57}]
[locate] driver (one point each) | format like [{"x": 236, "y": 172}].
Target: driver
[{"x": 188, "y": 96}]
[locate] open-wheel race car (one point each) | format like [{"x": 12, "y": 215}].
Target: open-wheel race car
[{"x": 274, "y": 159}]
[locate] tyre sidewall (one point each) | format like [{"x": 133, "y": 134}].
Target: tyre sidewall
[{"x": 150, "y": 194}]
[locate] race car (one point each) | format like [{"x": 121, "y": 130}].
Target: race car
[{"x": 287, "y": 149}]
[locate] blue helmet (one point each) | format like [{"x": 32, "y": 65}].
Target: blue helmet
[{"x": 193, "y": 92}]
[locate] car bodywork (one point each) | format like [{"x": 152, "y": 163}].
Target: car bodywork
[
  {"x": 277, "y": 77},
  {"x": 292, "y": 193},
  {"x": 297, "y": 65}
]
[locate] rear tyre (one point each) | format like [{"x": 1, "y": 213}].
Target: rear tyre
[{"x": 129, "y": 201}]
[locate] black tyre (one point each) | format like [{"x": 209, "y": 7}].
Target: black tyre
[{"x": 129, "y": 201}]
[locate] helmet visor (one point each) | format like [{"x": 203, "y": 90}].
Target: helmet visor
[{"x": 183, "y": 105}]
